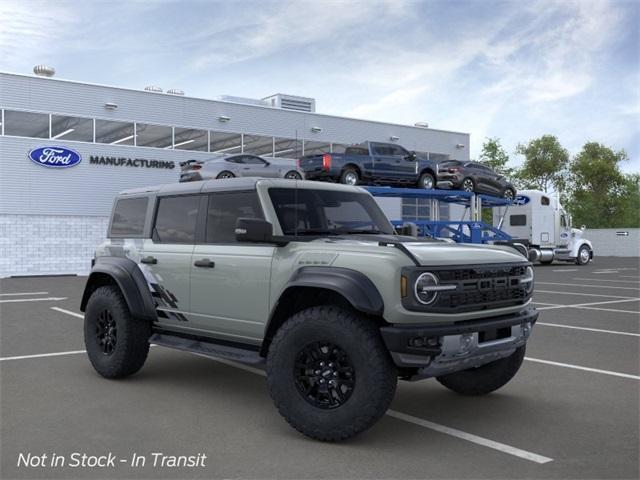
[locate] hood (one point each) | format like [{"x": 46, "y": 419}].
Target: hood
[
  {"x": 462, "y": 254},
  {"x": 436, "y": 253}
]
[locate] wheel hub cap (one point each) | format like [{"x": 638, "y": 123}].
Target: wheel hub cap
[
  {"x": 351, "y": 179},
  {"x": 323, "y": 375}
]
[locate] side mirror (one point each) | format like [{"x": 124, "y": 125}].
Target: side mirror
[
  {"x": 253, "y": 230},
  {"x": 409, "y": 229},
  {"x": 412, "y": 156},
  {"x": 583, "y": 227}
]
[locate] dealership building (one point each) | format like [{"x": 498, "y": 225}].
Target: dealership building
[{"x": 51, "y": 219}]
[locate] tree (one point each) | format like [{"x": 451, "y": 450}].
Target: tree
[
  {"x": 495, "y": 157},
  {"x": 545, "y": 164},
  {"x": 601, "y": 196}
]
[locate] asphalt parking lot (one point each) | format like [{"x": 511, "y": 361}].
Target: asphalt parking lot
[{"x": 571, "y": 412}]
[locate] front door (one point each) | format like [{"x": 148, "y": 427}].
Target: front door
[
  {"x": 253, "y": 166},
  {"x": 230, "y": 280},
  {"x": 391, "y": 162},
  {"x": 166, "y": 258}
]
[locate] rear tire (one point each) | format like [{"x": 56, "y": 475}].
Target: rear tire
[
  {"x": 349, "y": 176},
  {"x": 353, "y": 356},
  {"x": 468, "y": 185},
  {"x": 225, "y": 174},
  {"x": 117, "y": 344},
  {"x": 484, "y": 379},
  {"x": 509, "y": 194}
]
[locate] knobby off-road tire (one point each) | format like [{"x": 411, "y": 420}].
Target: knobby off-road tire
[
  {"x": 484, "y": 379},
  {"x": 117, "y": 343},
  {"x": 362, "y": 357}
]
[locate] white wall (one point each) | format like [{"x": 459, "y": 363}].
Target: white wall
[{"x": 606, "y": 242}]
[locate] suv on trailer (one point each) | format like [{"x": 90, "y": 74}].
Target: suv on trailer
[{"x": 311, "y": 280}]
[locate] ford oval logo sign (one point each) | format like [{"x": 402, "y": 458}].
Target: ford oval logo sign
[
  {"x": 55, "y": 157},
  {"x": 521, "y": 200}
]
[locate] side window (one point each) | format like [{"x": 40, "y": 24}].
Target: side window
[
  {"x": 128, "y": 217},
  {"x": 238, "y": 159},
  {"x": 398, "y": 151},
  {"x": 176, "y": 219},
  {"x": 251, "y": 160},
  {"x": 224, "y": 211},
  {"x": 544, "y": 201},
  {"x": 518, "y": 220},
  {"x": 563, "y": 221}
]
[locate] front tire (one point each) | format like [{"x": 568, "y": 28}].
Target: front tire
[
  {"x": 329, "y": 373},
  {"x": 117, "y": 344},
  {"x": 584, "y": 255},
  {"x": 509, "y": 194},
  {"x": 484, "y": 379},
  {"x": 468, "y": 185}
]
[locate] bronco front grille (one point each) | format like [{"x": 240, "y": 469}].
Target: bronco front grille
[{"x": 477, "y": 288}]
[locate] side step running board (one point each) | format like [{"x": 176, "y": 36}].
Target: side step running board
[{"x": 207, "y": 348}]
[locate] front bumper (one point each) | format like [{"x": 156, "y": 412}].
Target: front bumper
[{"x": 434, "y": 350}]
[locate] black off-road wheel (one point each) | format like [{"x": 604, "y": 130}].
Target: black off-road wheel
[
  {"x": 117, "y": 344},
  {"x": 484, "y": 379},
  {"x": 329, "y": 373}
]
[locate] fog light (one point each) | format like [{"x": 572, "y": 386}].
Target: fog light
[{"x": 465, "y": 342}]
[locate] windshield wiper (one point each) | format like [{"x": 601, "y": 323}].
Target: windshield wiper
[{"x": 311, "y": 231}]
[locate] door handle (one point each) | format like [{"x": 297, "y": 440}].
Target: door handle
[
  {"x": 205, "y": 263},
  {"x": 151, "y": 260}
]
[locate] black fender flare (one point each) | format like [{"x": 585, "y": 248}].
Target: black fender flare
[
  {"x": 355, "y": 286},
  {"x": 131, "y": 281}
]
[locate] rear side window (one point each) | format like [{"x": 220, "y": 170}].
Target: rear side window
[
  {"x": 176, "y": 219},
  {"x": 356, "y": 151},
  {"x": 128, "y": 217},
  {"x": 224, "y": 211},
  {"x": 518, "y": 220}
]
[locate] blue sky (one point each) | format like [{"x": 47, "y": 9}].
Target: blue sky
[{"x": 513, "y": 70}]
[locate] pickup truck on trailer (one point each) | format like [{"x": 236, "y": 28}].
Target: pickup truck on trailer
[{"x": 373, "y": 163}]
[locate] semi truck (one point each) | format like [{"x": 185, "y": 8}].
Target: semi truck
[{"x": 538, "y": 221}]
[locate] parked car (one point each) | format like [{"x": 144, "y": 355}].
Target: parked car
[
  {"x": 371, "y": 163},
  {"x": 310, "y": 281},
  {"x": 243, "y": 165},
  {"x": 474, "y": 177}
]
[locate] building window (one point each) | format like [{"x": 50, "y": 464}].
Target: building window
[
  {"x": 416, "y": 209},
  {"x": 157, "y": 136},
  {"x": 287, "y": 148},
  {"x": 224, "y": 142},
  {"x": 26, "y": 124},
  {"x": 128, "y": 217},
  {"x": 316, "y": 148},
  {"x": 176, "y": 219},
  {"x": 114, "y": 133},
  {"x": 258, "y": 145},
  {"x": 71, "y": 128},
  {"x": 190, "y": 139}
]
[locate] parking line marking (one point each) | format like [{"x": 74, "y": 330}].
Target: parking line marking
[
  {"x": 604, "y": 280},
  {"x": 23, "y": 293},
  {"x": 68, "y": 312},
  {"x": 629, "y": 276},
  {"x": 588, "y": 329},
  {"x": 485, "y": 442},
  {"x": 47, "y": 299},
  {"x": 588, "y": 286},
  {"x": 566, "y": 270},
  {"x": 585, "y": 294},
  {"x": 610, "y": 310},
  {"x": 585, "y": 305},
  {"x": 586, "y": 369},
  {"x": 42, "y": 355}
]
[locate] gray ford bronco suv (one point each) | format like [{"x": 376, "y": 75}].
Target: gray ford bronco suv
[{"x": 311, "y": 280}]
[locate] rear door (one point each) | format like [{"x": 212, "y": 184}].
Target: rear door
[
  {"x": 390, "y": 162},
  {"x": 230, "y": 280},
  {"x": 166, "y": 257}
]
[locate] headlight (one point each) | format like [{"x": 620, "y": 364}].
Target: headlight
[
  {"x": 426, "y": 288},
  {"x": 527, "y": 280}
]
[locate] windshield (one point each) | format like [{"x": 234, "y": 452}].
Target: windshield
[{"x": 327, "y": 212}]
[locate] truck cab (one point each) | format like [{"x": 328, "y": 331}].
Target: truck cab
[{"x": 538, "y": 221}]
